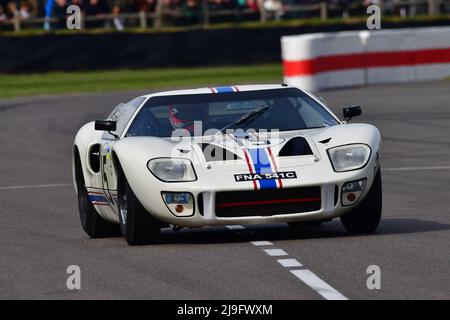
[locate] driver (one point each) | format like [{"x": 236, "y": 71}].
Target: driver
[{"x": 183, "y": 116}]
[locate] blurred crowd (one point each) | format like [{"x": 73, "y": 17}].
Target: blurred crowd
[{"x": 26, "y": 9}]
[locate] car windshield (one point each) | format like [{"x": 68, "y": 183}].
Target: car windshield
[{"x": 283, "y": 109}]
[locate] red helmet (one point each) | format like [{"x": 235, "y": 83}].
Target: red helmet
[{"x": 183, "y": 116}]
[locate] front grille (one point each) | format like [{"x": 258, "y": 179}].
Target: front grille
[
  {"x": 336, "y": 195},
  {"x": 267, "y": 202},
  {"x": 200, "y": 203}
]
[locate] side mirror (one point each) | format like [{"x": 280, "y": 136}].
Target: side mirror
[
  {"x": 350, "y": 112},
  {"x": 105, "y": 125}
]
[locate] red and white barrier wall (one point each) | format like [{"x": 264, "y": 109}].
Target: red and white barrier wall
[{"x": 332, "y": 60}]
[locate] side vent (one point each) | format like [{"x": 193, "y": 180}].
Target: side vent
[
  {"x": 94, "y": 158},
  {"x": 297, "y": 146},
  {"x": 216, "y": 153}
]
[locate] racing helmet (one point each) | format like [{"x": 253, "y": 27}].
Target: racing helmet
[{"x": 183, "y": 116}]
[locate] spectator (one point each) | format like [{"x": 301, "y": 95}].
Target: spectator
[
  {"x": 24, "y": 10},
  {"x": 184, "y": 12},
  {"x": 190, "y": 8},
  {"x": 60, "y": 13},
  {"x": 118, "y": 22},
  {"x": 241, "y": 3},
  {"x": 97, "y": 7},
  {"x": 253, "y": 4},
  {"x": 79, "y": 3},
  {"x": 33, "y": 7},
  {"x": 49, "y": 4},
  {"x": 345, "y": 4},
  {"x": 3, "y": 17},
  {"x": 146, "y": 5},
  {"x": 11, "y": 10},
  {"x": 274, "y": 8}
]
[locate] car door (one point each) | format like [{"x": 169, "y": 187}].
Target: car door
[{"x": 122, "y": 115}]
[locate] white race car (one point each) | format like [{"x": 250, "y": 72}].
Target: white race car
[{"x": 252, "y": 154}]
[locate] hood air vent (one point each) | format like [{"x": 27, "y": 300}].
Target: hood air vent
[
  {"x": 297, "y": 146},
  {"x": 216, "y": 153},
  {"x": 325, "y": 141}
]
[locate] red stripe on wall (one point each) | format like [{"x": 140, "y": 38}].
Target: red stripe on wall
[{"x": 365, "y": 60}]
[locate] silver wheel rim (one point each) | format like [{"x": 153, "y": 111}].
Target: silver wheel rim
[{"x": 123, "y": 208}]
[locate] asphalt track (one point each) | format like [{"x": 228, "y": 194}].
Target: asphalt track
[{"x": 41, "y": 234}]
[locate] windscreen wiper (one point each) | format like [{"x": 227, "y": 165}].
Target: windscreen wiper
[{"x": 251, "y": 115}]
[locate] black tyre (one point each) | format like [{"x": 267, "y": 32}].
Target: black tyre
[
  {"x": 137, "y": 225},
  {"x": 366, "y": 217},
  {"x": 305, "y": 224},
  {"x": 93, "y": 224}
]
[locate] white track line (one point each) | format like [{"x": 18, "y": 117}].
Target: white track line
[
  {"x": 289, "y": 263},
  {"x": 262, "y": 243},
  {"x": 320, "y": 286},
  {"x": 305, "y": 275},
  {"x": 416, "y": 168},
  {"x": 54, "y": 185},
  {"x": 275, "y": 252}
]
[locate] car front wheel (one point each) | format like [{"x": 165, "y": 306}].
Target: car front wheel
[
  {"x": 137, "y": 225},
  {"x": 365, "y": 218}
]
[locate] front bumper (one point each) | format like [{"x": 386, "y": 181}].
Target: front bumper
[{"x": 205, "y": 213}]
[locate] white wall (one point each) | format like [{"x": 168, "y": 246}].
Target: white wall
[{"x": 342, "y": 59}]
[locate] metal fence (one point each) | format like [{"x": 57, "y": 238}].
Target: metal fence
[{"x": 206, "y": 15}]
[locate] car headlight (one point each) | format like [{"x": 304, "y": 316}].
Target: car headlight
[
  {"x": 349, "y": 157},
  {"x": 172, "y": 169}
]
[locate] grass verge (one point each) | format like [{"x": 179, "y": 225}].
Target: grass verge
[{"x": 13, "y": 85}]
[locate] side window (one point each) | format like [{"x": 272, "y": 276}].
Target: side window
[
  {"x": 122, "y": 114},
  {"x": 311, "y": 117},
  {"x": 135, "y": 103},
  {"x": 313, "y": 114},
  {"x": 116, "y": 111}
]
